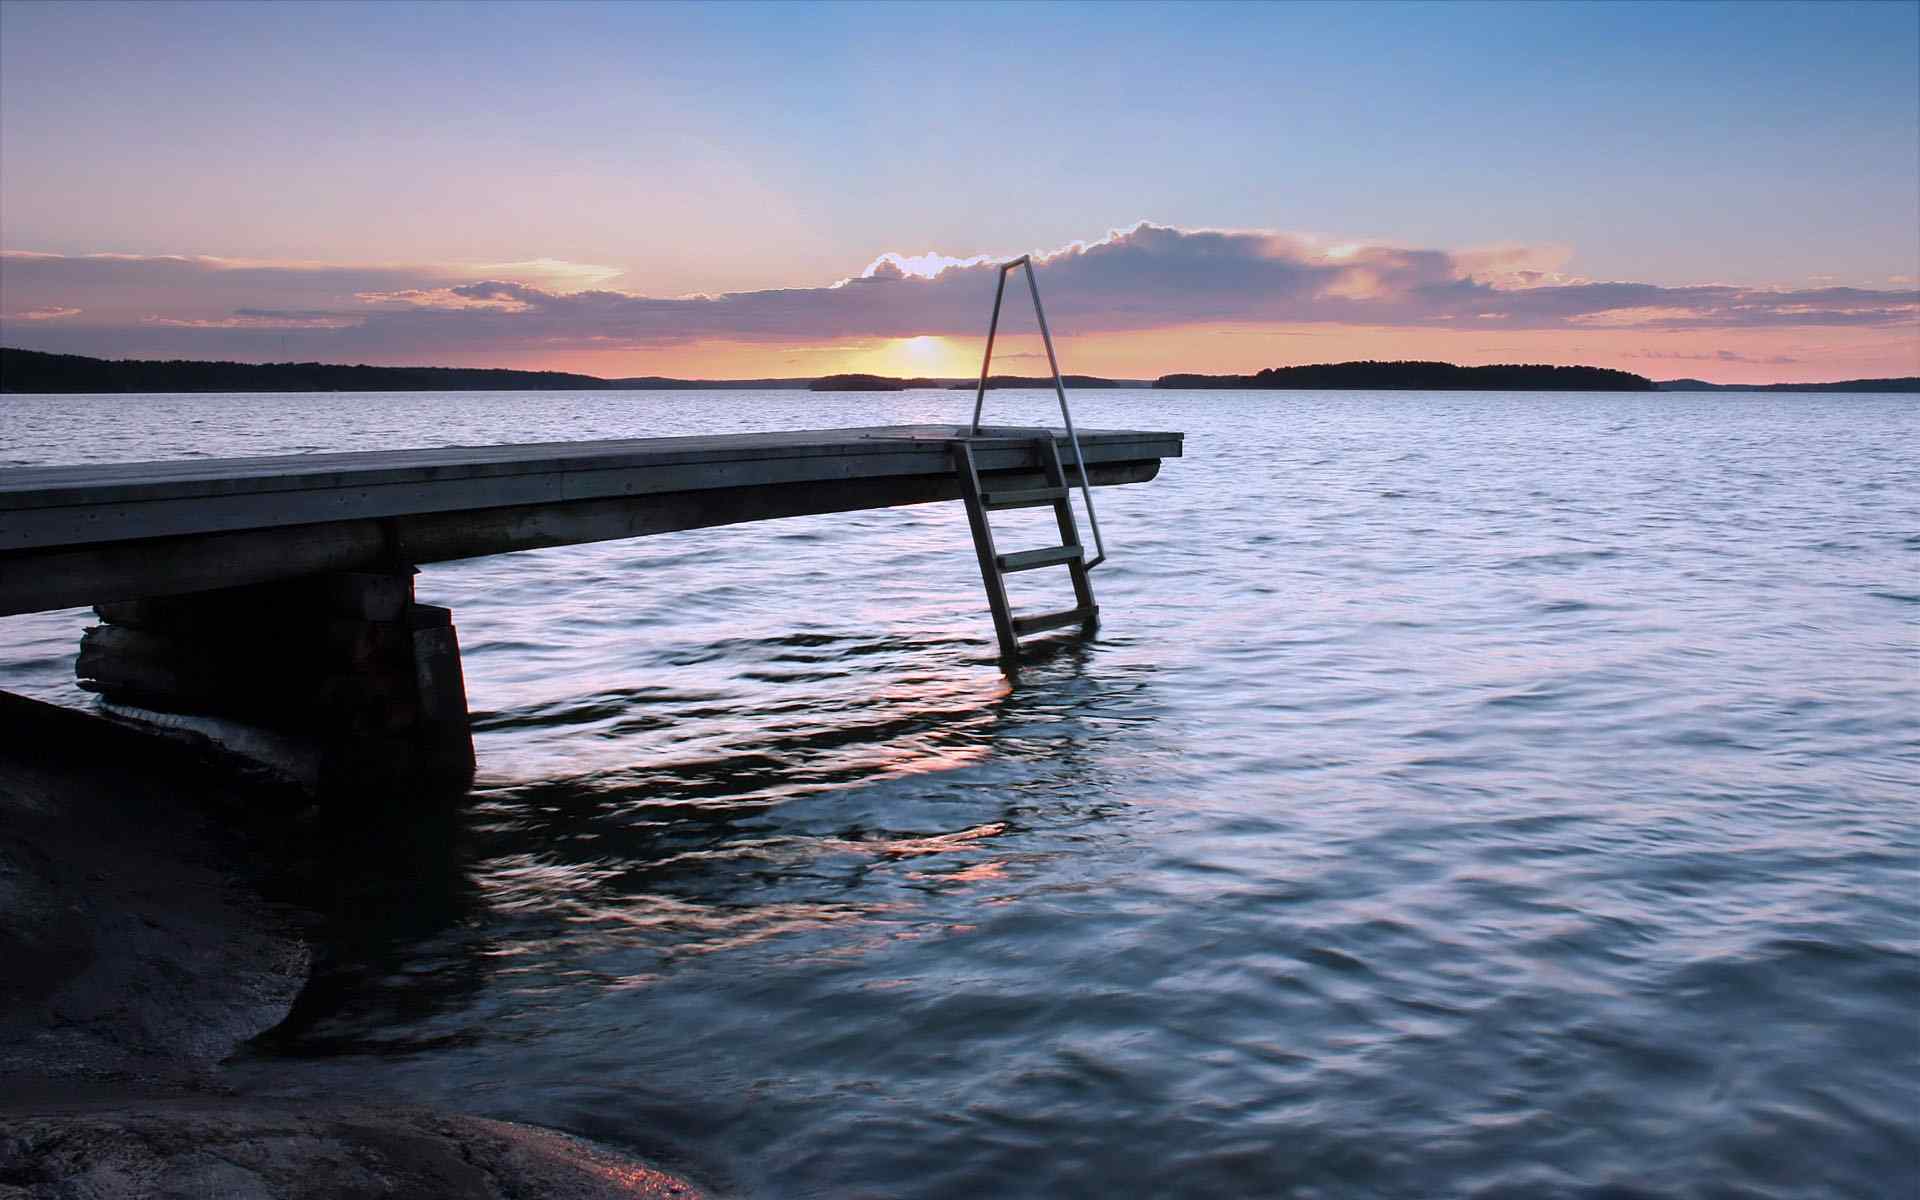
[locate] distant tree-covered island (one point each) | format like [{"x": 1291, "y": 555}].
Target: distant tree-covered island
[
  {"x": 35, "y": 371},
  {"x": 1046, "y": 381},
  {"x": 1902, "y": 383},
  {"x": 868, "y": 383},
  {"x": 1424, "y": 377}
]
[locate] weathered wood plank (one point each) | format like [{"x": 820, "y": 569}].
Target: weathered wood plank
[
  {"x": 69, "y": 576},
  {"x": 350, "y": 468},
  {"x": 55, "y": 506},
  {"x": 1055, "y": 620},
  {"x": 1047, "y": 556},
  {"x": 1030, "y": 498}
]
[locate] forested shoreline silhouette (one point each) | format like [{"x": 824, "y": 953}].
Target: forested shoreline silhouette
[
  {"x": 35, "y": 371},
  {"x": 1424, "y": 377}
]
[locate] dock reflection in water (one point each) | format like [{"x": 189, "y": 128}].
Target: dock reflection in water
[{"x": 830, "y": 813}]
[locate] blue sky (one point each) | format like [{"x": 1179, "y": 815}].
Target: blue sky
[{"x": 725, "y": 147}]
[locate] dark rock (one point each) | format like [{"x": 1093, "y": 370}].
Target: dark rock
[
  {"x": 132, "y": 951},
  {"x": 189, "y": 1149},
  {"x": 136, "y": 954}
]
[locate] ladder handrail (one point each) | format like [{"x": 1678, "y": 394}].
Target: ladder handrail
[{"x": 1059, "y": 389}]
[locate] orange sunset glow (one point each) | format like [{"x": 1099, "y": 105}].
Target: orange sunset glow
[
  {"x": 1730, "y": 357},
  {"x": 1137, "y": 302}
]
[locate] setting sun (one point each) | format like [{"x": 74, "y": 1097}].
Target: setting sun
[{"x": 925, "y": 354}]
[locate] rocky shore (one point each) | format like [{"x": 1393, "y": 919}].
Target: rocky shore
[{"x": 140, "y": 949}]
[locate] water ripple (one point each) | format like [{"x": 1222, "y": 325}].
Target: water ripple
[{"x": 1465, "y": 796}]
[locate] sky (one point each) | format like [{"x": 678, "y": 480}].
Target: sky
[{"x": 1730, "y": 192}]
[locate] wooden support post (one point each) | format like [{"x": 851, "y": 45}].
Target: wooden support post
[
  {"x": 347, "y": 663},
  {"x": 445, "y": 735}
]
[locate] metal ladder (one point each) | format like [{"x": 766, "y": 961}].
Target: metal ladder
[{"x": 994, "y": 566}]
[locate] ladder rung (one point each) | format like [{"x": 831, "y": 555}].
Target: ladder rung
[
  {"x": 1022, "y": 626},
  {"x": 1032, "y": 498},
  {"x": 1027, "y": 560}
]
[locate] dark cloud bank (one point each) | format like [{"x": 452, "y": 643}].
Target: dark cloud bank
[{"x": 1144, "y": 278}]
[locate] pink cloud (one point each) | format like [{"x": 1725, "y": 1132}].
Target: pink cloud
[
  {"x": 1718, "y": 356},
  {"x": 1138, "y": 279}
]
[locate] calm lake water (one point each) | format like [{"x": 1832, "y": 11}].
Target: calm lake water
[{"x": 1467, "y": 795}]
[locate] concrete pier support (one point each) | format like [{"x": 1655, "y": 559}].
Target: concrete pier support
[{"x": 364, "y": 681}]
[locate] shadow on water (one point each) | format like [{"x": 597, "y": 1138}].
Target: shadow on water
[
  {"x": 379, "y": 887},
  {"x": 434, "y": 926}
]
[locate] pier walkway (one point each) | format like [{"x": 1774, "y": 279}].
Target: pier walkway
[
  {"x": 119, "y": 531},
  {"x": 277, "y": 593}
]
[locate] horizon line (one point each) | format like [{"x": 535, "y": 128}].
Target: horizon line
[{"x": 943, "y": 380}]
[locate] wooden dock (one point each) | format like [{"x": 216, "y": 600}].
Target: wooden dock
[
  {"x": 116, "y": 531},
  {"x": 278, "y": 592}
]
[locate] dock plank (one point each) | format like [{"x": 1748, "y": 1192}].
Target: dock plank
[
  {"x": 92, "y": 532},
  {"x": 49, "y": 506}
]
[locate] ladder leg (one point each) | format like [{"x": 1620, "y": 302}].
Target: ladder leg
[
  {"x": 983, "y": 545},
  {"x": 986, "y": 360},
  {"x": 1060, "y": 390},
  {"x": 1069, "y": 530}
]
